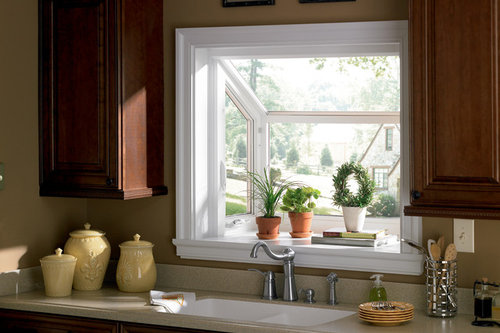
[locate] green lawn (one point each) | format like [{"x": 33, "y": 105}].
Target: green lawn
[
  {"x": 233, "y": 208},
  {"x": 324, "y": 211},
  {"x": 237, "y": 197}
]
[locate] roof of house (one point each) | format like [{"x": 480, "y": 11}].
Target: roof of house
[{"x": 395, "y": 163}]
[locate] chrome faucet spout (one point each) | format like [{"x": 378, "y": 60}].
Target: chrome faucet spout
[
  {"x": 288, "y": 253},
  {"x": 290, "y": 291}
]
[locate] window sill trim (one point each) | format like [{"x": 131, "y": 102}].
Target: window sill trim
[{"x": 383, "y": 260}]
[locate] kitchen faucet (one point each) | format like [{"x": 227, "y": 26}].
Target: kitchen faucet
[{"x": 290, "y": 291}]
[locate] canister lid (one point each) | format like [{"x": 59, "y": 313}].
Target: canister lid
[
  {"x": 58, "y": 257},
  {"x": 136, "y": 242},
  {"x": 87, "y": 232}
]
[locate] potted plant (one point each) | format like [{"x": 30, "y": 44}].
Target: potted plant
[
  {"x": 353, "y": 204},
  {"x": 267, "y": 191},
  {"x": 299, "y": 205}
]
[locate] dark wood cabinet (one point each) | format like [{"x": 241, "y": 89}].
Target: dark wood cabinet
[
  {"x": 27, "y": 322},
  {"x": 137, "y": 328},
  {"x": 12, "y": 321},
  {"x": 454, "y": 87},
  {"x": 101, "y": 98}
]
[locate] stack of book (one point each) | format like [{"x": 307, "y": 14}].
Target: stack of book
[{"x": 367, "y": 238}]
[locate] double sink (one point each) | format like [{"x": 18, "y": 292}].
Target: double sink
[
  {"x": 270, "y": 313},
  {"x": 260, "y": 312}
]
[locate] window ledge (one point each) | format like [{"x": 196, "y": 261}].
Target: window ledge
[{"x": 388, "y": 259}]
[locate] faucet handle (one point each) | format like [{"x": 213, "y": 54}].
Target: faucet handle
[
  {"x": 332, "y": 278},
  {"x": 269, "y": 291},
  {"x": 309, "y": 293}
]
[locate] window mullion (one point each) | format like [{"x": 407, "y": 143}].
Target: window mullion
[{"x": 334, "y": 117}]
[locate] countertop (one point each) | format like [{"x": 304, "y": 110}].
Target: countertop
[{"x": 111, "y": 304}]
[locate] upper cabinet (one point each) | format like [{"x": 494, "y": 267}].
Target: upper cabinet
[
  {"x": 101, "y": 98},
  {"x": 454, "y": 59}
]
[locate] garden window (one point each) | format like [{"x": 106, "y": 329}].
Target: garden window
[{"x": 299, "y": 100}]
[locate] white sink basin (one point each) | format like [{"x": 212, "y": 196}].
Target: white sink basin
[{"x": 284, "y": 314}]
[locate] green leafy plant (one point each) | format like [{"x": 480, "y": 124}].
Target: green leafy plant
[
  {"x": 304, "y": 170},
  {"x": 384, "y": 205},
  {"x": 295, "y": 200},
  {"x": 343, "y": 196},
  {"x": 268, "y": 190}
]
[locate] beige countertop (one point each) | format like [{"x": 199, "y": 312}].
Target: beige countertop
[{"x": 111, "y": 304}]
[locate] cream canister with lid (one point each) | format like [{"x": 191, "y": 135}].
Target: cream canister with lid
[
  {"x": 136, "y": 271},
  {"x": 58, "y": 270},
  {"x": 92, "y": 250}
]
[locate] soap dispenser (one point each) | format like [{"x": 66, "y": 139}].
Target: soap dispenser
[{"x": 377, "y": 293}]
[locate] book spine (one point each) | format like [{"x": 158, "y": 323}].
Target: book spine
[
  {"x": 332, "y": 234},
  {"x": 348, "y": 235}
]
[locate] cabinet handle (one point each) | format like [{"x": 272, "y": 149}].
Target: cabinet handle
[
  {"x": 415, "y": 195},
  {"x": 110, "y": 181}
]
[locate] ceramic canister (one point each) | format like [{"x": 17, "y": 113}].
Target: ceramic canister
[
  {"x": 57, "y": 270},
  {"x": 92, "y": 250},
  {"x": 136, "y": 271}
]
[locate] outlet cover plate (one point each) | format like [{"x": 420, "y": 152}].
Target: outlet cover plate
[
  {"x": 2, "y": 175},
  {"x": 463, "y": 235}
]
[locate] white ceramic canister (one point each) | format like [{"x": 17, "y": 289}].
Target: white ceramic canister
[
  {"x": 58, "y": 270},
  {"x": 92, "y": 250},
  {"x": 136, "y": 271}
]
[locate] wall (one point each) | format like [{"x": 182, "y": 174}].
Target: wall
[{"x": 30, "y": 226}]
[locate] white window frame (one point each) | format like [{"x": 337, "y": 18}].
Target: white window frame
[{"x": 200, "y": 170}]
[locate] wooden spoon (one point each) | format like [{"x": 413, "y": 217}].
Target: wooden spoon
[
  {"x": 440, "y": 243},
  {"x": 435, "y": 252},
  {"x": 450, "y": 253}
]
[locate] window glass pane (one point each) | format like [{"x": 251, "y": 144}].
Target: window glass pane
[
  {"x": 380, "y": 176},
  {"x": 310, "y": 153},
  {"x": 388, "y": 138},
  {"x": 370, "y": 83},
  {"x": 236, "y": 160}
]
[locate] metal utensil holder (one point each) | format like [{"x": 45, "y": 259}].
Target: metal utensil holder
[{"x": 441, "y": 283}]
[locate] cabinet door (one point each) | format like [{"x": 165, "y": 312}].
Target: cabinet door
[
  {"x": 136, "y": 328},
  {"x": 78, "y": 94},
  {"x": 454, "y": 106},
  {"x": 26, "y": 322}
]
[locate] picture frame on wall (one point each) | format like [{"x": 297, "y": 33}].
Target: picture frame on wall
[
  {"x": 241, "y": 3},
  {"x": 318, "y": 1}
]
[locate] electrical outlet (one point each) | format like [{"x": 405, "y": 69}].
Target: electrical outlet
[
  {"x": 463, "y": 235},
  {"x": 2, "y": 176}
]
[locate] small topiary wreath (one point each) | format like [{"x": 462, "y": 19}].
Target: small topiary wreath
[{"x": 343, "y": 196}]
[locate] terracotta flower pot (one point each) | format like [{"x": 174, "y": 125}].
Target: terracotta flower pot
[
  {"x": 301, "y": 224},
  {"x": 269, "y": 227}
]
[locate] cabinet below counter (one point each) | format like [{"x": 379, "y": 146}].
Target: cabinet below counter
[
  {"x": 108, "y": 310},
  {"x": 23, "y": 321}
]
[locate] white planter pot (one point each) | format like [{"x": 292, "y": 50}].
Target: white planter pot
[{"x": 354, "y": 218}]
